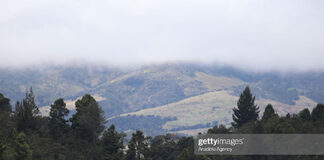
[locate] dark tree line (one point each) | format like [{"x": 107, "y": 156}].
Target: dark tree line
[
  {"x": 246, "y": 120},
  {"x": 25, "y": 135}
]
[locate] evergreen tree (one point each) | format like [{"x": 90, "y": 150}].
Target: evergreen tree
[
  {"x": 112, "y": 144},
  {"x": 6, "y": 125},
  {"x": 246, "y": 109},
  {"x": 164, "y": 147},
  {"x": 305, "y": 115},
  {"x": 2, "y": 149},
  {"x": 26, "y": 112},
  {"x": 21, "y": 148},
  {"x": 5, "y": 104},
  {"x": 87, "y": 125},
  {"x": 268, "y": 113},
  {"x": 288, "y": 115},
  {"x": 185, "y": 155},
  {"x": 221, "y": 129},
  {"x": 88, "y": 122},
  {"x": 7, "y": 131},
  {"x": 137, "y": 146},
  {"x": 186, "y": 146},
  {"x": 318, "y": 113},
  {"x": 57, "y": 123}
]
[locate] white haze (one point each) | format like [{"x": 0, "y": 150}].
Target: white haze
[{"x": 259, "y": 35}]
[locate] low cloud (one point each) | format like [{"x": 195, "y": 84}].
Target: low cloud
[{"x": 257, "y": 35}]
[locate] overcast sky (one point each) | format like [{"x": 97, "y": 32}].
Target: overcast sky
[{"x": 252, "y": 34}]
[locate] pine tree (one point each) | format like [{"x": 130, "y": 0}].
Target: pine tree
[
  {"x": 4, "y": 104},
  {"x": 318, "y": 113},
  {"x": 3, "y": 147},
  {"x": 6, "y": 124},
  {"x": 21, "y": 148},
  {"x": 268, "y": 113},
  {"x": 57, "y": 123},
  {"x": 137, "y": 146},
  {"x": 88, "y": 122},
  {"x": 164, "y": 147},
  {"x": 112, "y": 144},
  {"x": 26, "y": 112},
  {"x": 221, "y": 129},
  {"x": 246, "y": 109},
  {"x": 185, "y": 155},
  {"x": 305, "y": 115}
]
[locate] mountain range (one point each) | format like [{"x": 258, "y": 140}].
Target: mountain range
[{"x": 173, "y": 97}]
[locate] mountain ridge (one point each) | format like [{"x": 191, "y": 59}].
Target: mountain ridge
[{"x": 127, "y": 91}]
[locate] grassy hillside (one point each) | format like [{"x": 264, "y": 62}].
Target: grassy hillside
[
  {"x": 210, "y": 109},
  {"x": 202, "y": 109},
  {"x": 52, "y": 82},
  {"x": 178, "y": 96},
  {"x": 217, "y": 82}
]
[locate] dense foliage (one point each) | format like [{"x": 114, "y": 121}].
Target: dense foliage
[
  {"x": 246, "y": 110},
  {"x": 24, "y": 134}
]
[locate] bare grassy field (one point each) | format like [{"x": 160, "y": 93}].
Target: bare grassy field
[{"x": 214, "y": 106}]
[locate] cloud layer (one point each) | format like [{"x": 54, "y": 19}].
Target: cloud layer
[{"x": 251, "y": 34}]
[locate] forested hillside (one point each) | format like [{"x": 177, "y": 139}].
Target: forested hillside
[{"x": 26, "y": 135}]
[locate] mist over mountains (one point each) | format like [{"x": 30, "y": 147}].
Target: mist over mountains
[
  {"x": 260, "y": 36},
  {"x": 172, "y": 97}
]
